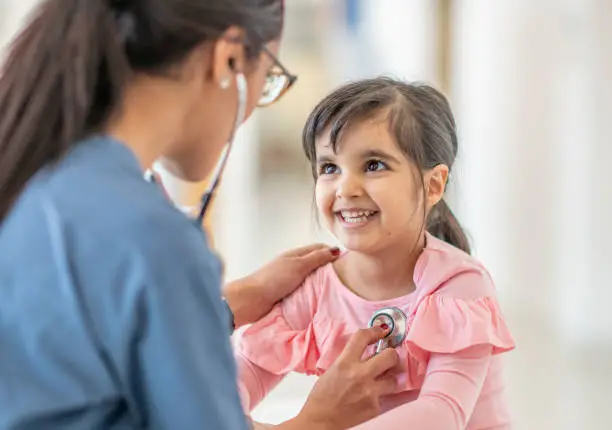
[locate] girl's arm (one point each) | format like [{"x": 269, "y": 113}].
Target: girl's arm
[
  {"x": 452, "y": 385},
  {"x": 254, "y": 383},
  {"x": 279, "y": 343}
]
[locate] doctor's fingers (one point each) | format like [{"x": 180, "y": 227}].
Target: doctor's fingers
[
  {"x": 383, "y": 364},
  {"x": 385, "y": 385},
  {"x": 317, "y": 258},
  {"x": 360, "y": 341},
  {"x": 304, "y": 250}
]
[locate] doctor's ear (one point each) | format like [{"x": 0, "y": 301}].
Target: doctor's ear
[{"x": 228, "y": 57}]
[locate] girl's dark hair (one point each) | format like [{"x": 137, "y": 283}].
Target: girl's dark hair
[
  {"x": 420, "y": 119},
  {"x": 64, "y": 74}
]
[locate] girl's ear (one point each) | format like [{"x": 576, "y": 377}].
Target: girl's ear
[{"x": 435, "y": 184}]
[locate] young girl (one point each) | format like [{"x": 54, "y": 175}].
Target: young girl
[{"x": 381, "y": 152}]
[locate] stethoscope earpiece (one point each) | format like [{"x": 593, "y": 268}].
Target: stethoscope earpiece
[{"x": 393, "y": 318}]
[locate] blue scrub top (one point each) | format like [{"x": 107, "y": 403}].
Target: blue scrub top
[{"x": 110, "y": 308}]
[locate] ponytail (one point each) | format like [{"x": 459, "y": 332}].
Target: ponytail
[
  {"x": 442, "y": 224},
  {"x": 61, "y": 78}
]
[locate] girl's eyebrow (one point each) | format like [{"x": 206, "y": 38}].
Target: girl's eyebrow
[
  {"x": 376, "y": 153},
  {"x": 324, "y": 159},
  {"x": 367, "y": 154}
]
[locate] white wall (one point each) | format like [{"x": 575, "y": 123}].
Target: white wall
[{"x": 533, "y": 107}]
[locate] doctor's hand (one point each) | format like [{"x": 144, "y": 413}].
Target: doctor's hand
[
  {"x": 349, "y": 393},
  {"x": 252, "y": 297}
]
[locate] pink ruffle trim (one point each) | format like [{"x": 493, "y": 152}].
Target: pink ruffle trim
[{"x": 441, "y": 324}]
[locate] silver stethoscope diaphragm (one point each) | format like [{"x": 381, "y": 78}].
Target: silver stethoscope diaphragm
[{"x": 394, "y": 319}]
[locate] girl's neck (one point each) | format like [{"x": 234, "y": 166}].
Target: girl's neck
[{"x": 381, "y": 276}]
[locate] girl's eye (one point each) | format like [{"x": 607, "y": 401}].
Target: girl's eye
[
  {"x": 375, "y": 166},
  {"x": 328, "y": 169}
]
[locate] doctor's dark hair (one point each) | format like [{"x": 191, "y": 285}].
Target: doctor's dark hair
[
  {"x": 64, "y": 74},
  {"x": 421, "y": 121}
]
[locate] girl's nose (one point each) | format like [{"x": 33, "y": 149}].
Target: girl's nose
[{"x": 349, "y": 187}]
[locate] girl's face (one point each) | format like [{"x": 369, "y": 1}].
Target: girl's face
[{"x": 368, "y": 193}]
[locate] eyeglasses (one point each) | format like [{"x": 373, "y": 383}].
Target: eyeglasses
[{"x": 278, "y": 81}]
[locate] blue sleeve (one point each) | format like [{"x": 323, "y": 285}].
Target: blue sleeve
[{"x": 181, "y": 369}]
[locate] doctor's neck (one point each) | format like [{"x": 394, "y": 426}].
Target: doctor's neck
[{"x": 148, "y": 121}]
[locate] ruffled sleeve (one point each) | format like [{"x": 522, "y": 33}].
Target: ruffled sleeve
[
  {"x": 447, "y": 324},
  {"x": 275, "y": 346},
  {"x": 293, "y": 337},
  {"x": 456, "y": 308}
]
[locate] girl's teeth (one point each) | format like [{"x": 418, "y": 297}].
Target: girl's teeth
[
  {"x": 356, "y": 220},
  {"x": 356, "y": 216}
]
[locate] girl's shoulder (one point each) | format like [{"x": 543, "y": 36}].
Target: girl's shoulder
[
  {"x": 289, "y": 337},
  {"x": 300, "y": 307},
  {"x": 446, "y": 270},
  {"x": 457, "y": 307}
]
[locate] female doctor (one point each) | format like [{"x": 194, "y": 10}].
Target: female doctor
[{"x": 111, "y": 315}]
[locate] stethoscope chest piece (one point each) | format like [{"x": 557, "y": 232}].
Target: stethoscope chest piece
[{"x": 395, "y": 319}]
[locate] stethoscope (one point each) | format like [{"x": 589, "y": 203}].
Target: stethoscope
[
  {"x": 395, "y": 320},
  {"x": 208, "y": 195}
]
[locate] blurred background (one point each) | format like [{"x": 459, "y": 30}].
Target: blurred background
[{"x": 530, "y": 85}]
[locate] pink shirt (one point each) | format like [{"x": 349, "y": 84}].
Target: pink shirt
[{"x": 452, "y": 376}]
